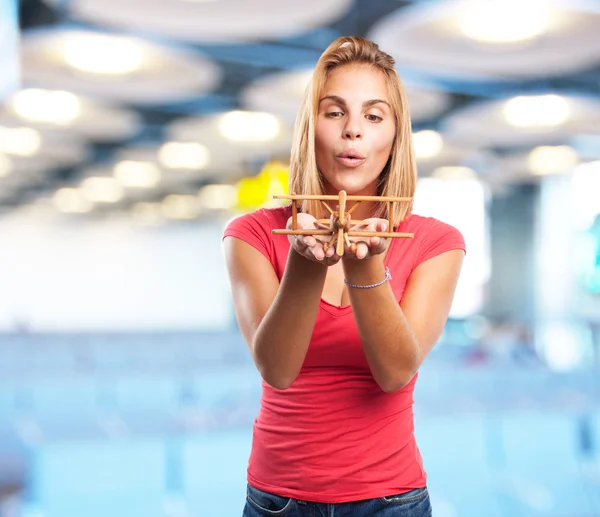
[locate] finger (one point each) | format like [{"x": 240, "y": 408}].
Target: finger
[
  {"x": 299, "y": 244},
  {"x": 311, "y": 242},
  {"x": 361, "y": 250},
  {"x": 318, "y": 252}
]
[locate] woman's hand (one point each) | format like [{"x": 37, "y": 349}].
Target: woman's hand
[
  {"x": 368, "y": 246},
  {"x": 311, "y": 246}
]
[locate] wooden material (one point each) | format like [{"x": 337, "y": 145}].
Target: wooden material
[
  {"x": 294, "y": 214},
  {"x": 341, "y": 226}
]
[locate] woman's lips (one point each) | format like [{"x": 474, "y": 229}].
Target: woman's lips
[{"x": 350, "y": 162}]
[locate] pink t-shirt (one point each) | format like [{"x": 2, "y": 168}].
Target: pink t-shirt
[{"x": 335, "y": 436}]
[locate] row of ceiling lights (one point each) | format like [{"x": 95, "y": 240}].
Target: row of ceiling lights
[
  {"x": 62, "y": 108},
  {"x": 190, "y": 206},
  {"x": 195, "y": 156},
  {"x": 240, "y": 126},
  {"x": 486, "y": 22},
  {"x": 107, "y": 190}
]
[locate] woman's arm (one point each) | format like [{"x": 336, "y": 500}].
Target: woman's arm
[
  {"x": 276, "y": 320},
  {"x": 397, "y": 337}
]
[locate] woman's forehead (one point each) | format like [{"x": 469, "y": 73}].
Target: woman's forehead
[{"x": 355, "y": 82}]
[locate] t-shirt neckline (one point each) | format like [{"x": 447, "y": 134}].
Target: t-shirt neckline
[{"x": 342, "y": 310}]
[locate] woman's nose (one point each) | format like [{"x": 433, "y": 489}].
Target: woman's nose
[
  {"x": 352, "y": 134},
  {"x": 352, "y": 131},
  {"x": 353, "y": 128}
]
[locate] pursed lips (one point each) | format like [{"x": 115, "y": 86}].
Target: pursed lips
[{"x": 350, "y": 158}]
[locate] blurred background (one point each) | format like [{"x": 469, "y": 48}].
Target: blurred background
[{"x": 131, "y": 132}]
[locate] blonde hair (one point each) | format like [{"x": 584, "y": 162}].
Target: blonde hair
[{"x": 399, "y": 176}]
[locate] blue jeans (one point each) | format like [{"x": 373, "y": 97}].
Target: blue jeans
[{"x": 410, "y": 504}]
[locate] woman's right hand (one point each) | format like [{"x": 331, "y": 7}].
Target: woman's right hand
[{"x": 311, "y": 246}]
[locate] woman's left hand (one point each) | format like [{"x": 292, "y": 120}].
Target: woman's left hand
[{"x": 366, "y": 246}]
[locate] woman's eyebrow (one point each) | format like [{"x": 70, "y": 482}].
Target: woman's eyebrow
[
  {"x": 342, "y": 102},
  {"x": 372, "y": 102}
]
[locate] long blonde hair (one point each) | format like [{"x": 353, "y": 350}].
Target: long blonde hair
[{"x": 399, "y": 176}]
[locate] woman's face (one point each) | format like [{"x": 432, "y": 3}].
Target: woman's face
[{"x": 355, "y": 129}]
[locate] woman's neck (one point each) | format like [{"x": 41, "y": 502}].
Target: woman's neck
[{"x": 364, "y": 210}]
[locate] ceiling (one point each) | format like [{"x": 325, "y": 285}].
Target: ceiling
[{"x": 144, "y": 89}]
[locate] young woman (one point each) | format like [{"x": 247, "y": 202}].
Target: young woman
[{"x": 338, "y": 340}]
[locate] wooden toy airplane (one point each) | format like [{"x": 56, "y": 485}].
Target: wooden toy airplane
[{"x": 340, "y": 220}]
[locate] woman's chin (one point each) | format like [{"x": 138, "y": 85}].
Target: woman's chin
[{"x": 353, "y": 188}]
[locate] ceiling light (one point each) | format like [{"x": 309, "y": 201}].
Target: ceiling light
[
  {"x": 427, "y": 143},
  {"x": 22, "y": 141},
  {"x": 184, "y": 155},
  {"x": 181, "y": 206},
  {"x": 536, "y": 111},
  {"x": 552, "y": 159},
  {"x": 130, "y": 173},
  {"x": 102, "y": 54},
  {"x": 218, "y": 197},
  {"x": 57, "y": 107},
  {"x": 102, "y": 189},
  {"x": 248, "y": 126},
  {"x": 455, "y": 173},
  {"x": 504, "y": 22},
  {"x": 71, "y": 201},
  {"x": 5, "y": 165},
  {"x": 147, "y": 213}
]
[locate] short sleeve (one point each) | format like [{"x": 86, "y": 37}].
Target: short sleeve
[
  {"x": 254, "y": 229},
  {"x": 437, "y": 238}
]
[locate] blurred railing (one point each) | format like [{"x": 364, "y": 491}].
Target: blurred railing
[{"x": 161, "y": 425}]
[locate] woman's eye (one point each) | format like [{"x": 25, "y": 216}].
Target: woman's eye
[
  {"x": 374, "y": 118},
  {"x": 334, "y": 114}
]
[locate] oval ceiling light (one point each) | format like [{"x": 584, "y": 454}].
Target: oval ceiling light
[
  {"x": 218, "y": 197},
  {"x": 427, "y": 143},
  {"x": 83, "y": 116},
  {"x": 523, "y": 122},
  {"x": 536, "y": 111},
  {"x": 495, "y": 49},
  {"x": 71, "y": 201},
  {"x": 147, "y": 213},
  {"x": 503, "y": 22},
  {"x": 130, "y": 173},
  {"x": 225, "y": 21},
  {"x": 184, "y": 155},
  {"x": 53, "y": 106},
  {"x": 102, "y": 189},
  {"x": 112, "y": 67},
  {"x": 558, "y": 159},
  {"x": 103, "y": 53},
  {"x": 181, "y": 206},
  {"x": 21, "y": 141},
  {"x": 249, "y": 126},
  {"x": 229, "y": 161}
]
